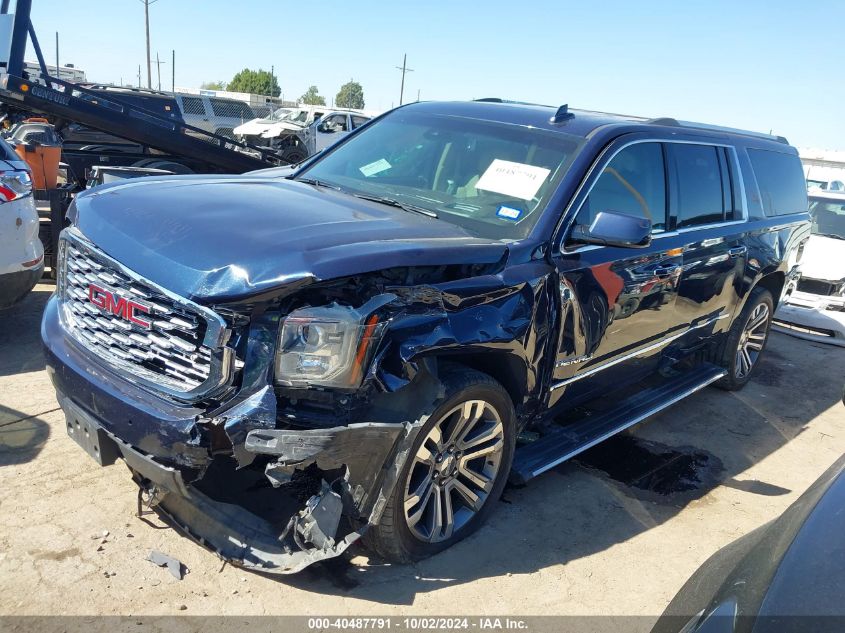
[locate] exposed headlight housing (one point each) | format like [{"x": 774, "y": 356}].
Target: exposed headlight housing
[{"x": 327, "y": 346}]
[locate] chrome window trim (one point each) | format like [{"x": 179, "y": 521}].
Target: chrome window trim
[
  {"x": 659, "y": 234},
  {"x": 215, "y": 338},
  {"x": 638, "y": 352}
]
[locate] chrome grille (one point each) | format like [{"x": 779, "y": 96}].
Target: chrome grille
[{"x": 181, "y": 352}]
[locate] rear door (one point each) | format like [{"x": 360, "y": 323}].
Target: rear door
[
  {"x": 617, "y": 305},
  {"x": 707, "y": 214}
]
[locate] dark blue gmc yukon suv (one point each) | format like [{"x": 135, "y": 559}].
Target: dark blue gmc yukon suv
[{"x": 369, "y": 344}]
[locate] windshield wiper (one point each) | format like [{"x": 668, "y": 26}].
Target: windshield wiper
[
  {"x": 833, "y": 235},
  {"x": 412, "y": 208},
  {"x": 317, "y": 183}
]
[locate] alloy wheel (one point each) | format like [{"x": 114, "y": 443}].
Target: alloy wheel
[
  {"x": 751, "y": 340},
  {"x": 453, "y": 471}
]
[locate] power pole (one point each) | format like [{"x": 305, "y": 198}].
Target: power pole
[
  {"x": 139, "y": 75},
  {"x": 58, "y": 72},
  {"x": 158, "y": 69},
  {"x": 173, "y": 71},
  {"x": 404, "y": 68},
  {"x": 147, "y": 4}
]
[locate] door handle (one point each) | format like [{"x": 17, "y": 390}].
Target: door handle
[
  {"x": 739, "y": 250},
  {"x": 666, "y": 271}
]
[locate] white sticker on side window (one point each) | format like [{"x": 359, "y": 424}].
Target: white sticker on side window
[
  {"x": 374, "y": 168},
  {"x": 513, "y": 179}
]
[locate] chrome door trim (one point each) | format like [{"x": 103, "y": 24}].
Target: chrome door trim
[{"x": 639, "y": 352}]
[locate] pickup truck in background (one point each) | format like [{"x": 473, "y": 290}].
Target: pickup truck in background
[{"x": 293, "y": 360}]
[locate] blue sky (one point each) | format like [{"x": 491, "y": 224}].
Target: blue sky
[{"x": 762, "y": 65}]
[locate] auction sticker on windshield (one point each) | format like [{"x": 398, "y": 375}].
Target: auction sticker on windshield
[
  {"x": 371, "y": 169},
  {"x": 512, "y": 179}
]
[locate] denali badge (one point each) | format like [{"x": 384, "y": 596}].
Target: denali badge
[{"x": 120, "y": 306}]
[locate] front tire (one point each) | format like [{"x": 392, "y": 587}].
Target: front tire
[
  {"x": 746, "y": 340},
  {"x": 455, "y": 472}
]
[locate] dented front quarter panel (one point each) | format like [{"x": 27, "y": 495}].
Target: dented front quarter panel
[{"x": 499, "y": 316}]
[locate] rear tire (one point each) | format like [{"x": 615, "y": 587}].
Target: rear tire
[
  {"x": 441, "y": 476},
  {"x": 746, "y": 340}
]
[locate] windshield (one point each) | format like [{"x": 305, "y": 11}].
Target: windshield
[
  {"x": 828, "y": 217},
  {"x": 494, "y": 179},
  {"x": 279, "y": 114},
  {"x": 296, "y": 116}
]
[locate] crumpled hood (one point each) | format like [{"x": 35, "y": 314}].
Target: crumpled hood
[
  {"x": 217, "y": 239},
  {"x": 256, "y": 126},
  {"x": 259, "y": 126},
  {"x": 275, "y": 129},
  {"x": 824, "y": 258}
]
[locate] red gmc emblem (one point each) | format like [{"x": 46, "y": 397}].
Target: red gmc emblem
[{"x": 119, "y": 306}]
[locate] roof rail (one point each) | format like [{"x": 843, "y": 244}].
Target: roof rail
[
  {"x": 716, "y": 128},
  {"x": 664, "y": 120},
  {"x": 500, "y": 100}
]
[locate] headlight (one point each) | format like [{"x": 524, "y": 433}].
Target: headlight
[{"x": 328, "y": 346}]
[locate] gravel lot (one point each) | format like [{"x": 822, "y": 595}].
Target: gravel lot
[{"x": 587, "y": 538}]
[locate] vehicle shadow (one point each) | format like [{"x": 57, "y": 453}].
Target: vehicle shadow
[
  {"x": 577, "y": 509},
  {"x": 21, "y": 436},
  {"x": 20, "y": 337}
]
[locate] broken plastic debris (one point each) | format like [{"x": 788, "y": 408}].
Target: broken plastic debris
[{"x": 163, "y": 560}]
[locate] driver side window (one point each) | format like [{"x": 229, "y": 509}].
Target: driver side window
[{"x": 633, "y": 183}]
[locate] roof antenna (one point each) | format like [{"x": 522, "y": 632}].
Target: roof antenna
[{"x": 562, "y": 114}]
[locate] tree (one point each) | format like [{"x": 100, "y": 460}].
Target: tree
[
  {"x": 312, "y": 97},
  {"x": 258, "y": 82},
  {"x": 351, "y": 95},
  {"x": 213, "y": 85}
]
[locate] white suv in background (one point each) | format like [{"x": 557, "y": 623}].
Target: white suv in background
[
  {"x": 21, "y": 252},
  {"x": 214, "y": 114}
]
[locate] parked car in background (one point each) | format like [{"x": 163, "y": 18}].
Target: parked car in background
[
  {"x": 305, "y": 131},
  {"x": 214, "y": 114},
  {"x": 816, "y": 310},
  {"x": 251, "y": 131},
  {"x": 290, "y": 364},
  {"x": 784, "y": 577},
  {"x": 21, "y": 252}
]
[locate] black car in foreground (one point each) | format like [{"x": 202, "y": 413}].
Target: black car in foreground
[
  {"x": 786, "y": 576},
  {"x": 291, "y": 360}
]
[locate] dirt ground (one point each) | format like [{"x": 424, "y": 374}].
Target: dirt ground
[{"x": 618, "y": 532}]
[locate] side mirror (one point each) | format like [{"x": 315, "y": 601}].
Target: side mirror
[{"x": 610, "y": 228}]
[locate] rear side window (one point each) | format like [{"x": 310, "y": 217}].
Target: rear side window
[
  {"x": 702, "y": 182},
  {"x": 633, "y": 183},
  {"x": 781, "y": 181},
  {"x": 223, "y": 107},
  {"x": 193, "y": 105}
]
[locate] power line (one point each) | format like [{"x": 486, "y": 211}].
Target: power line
[{"x": 404, "y": 68}]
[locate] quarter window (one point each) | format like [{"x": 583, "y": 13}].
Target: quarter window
[
  {"x": 699, "y": 175},
  {"x": 634, "y": 183},
  {"x": 358, "y": 121},
  {"x": 781, "y": 181}
]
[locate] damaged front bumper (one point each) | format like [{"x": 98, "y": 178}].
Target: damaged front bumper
[
  {"x": 277, "y": 500},
  {"x": 812, "y": 317}
]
